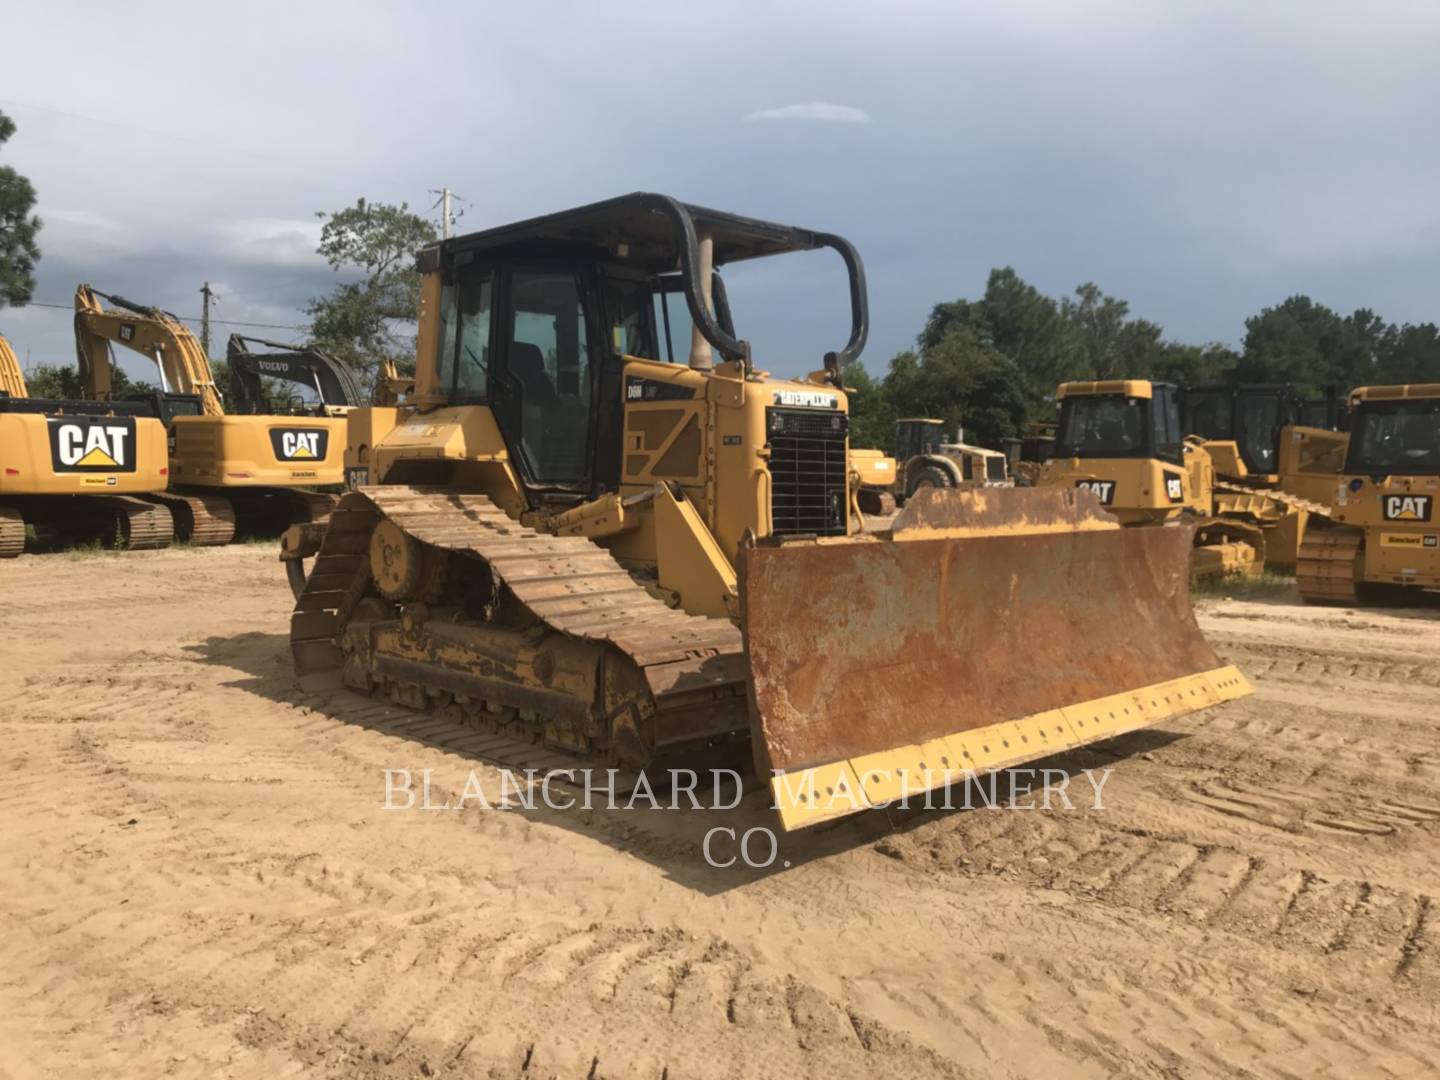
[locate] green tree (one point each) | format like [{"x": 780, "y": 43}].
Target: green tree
[
  {"x": 63, "y": 381},
  {"x": 18, "y": 226},
  {"x": 1408, "y": 354},
  {"x": 872, "y": 418},
  {"x": 364, "y": 321},
  {"x": 1192, "y": 365},
  {"x": 963, "y": 381},
  {"x": 1109, "y": 344},
  {"x": 1021, "y": 323},
  {"x": 1311, "y": 346}
]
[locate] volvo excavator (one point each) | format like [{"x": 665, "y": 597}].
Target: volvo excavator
[
  {"x": 77, "y": 471},
  {"x": 332, "y": 389},
  {"x": 252, "y": 472},
  {"x": 563, "y": 533}
]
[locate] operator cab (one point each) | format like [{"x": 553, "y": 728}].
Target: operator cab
[
  {"x": 1394, "y": 431},
  {"x": 1119, "y": 419},
  {"x": 1249, "y": 416},
  {"x": 917, "y": 437},
  {"x": 538, "y": 321}
]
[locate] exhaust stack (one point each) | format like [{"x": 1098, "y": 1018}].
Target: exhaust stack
[{"x": 701, "y": 358}]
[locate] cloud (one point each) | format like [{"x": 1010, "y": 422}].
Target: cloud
[
  {"x": 270, "y": 241},
  {"x": 814, "y": 110}
]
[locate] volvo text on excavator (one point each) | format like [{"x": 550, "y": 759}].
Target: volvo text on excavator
[{"x": 567, "y": 535}]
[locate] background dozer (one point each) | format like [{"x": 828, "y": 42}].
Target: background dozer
[
  {"x": 254, "y": 472},
  {"x": 1275, "y": 455},
  {"x": 1382, "y": 534},
  {"x": 74, "y": 471},
  {"x": 566, "y": 535},
  {"x": 1125, "y": 441}
]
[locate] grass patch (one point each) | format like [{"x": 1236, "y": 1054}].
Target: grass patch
[
  {"x": 1267, "y": 584},
  {"x": 88, "y": 550}
]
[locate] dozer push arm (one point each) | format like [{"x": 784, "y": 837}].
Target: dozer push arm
[{"x": 184, "y": 367}]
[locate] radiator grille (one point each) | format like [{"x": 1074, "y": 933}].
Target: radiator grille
[
  {"x": 807, "y": 471},
  {"x": 995, "y": 468}
]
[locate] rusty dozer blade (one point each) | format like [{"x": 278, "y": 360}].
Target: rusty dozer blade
[{"x": 990, "y": 627}]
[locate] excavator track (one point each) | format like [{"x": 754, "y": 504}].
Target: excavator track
[
  {"x": 1325, "y": 573},
  {"x": 635, "y": 680},
  {"x": 200, "y": 519},
  {"x": 12, "y": 532},
  {"x": 141, "y": 525}
]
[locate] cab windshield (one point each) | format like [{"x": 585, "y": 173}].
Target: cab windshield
[
  {"x": 1400, "y": 438},
  {"x": 1101, "y": 426}
]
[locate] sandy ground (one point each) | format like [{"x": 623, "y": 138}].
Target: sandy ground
[{"x": 198, "y": 878}]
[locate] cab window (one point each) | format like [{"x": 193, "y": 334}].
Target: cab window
[
  {"x": 472, "y": 356},
  {"x": 463, "y": 366},
  {"x": 549, "y": 369},
  {"x": 630, "y": 315},
  {"x": 1097, "y": 426}
]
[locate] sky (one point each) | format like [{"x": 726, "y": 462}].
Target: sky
[{"x": 1200, "y": 160}]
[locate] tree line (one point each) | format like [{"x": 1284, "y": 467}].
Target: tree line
[{"x": 992, "y": 364}]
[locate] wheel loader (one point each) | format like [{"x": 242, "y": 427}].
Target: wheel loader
[
  {"x": 77, "y": 471},
  {"x": 926, "y": 459},
  {"x": 569, "y": 534},
  {"x": 256, "y": 473},
  {"x": 1381, "y": 536}
]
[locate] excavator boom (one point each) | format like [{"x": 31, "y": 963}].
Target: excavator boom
[
  {"x": 184, "y": 368},
  {"x": 12, "y": 379},
  {"x": 332, "y": 381}
]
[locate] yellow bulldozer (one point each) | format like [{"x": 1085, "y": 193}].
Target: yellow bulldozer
[
  {"x": 1381, "y": 536},
  {"x": 1127, "y": 442},
  {"x": 77, "y": 471},
  {"x": 256, "y": 472},
  {"x": 568, "y": 535}
]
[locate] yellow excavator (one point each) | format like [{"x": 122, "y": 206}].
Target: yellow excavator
[
  {"x": 567, "y": 535},
  {"x": 1381, "y": 536},
  {"x": 254, "y": 471},
  {"x": 77, "y": 471}
]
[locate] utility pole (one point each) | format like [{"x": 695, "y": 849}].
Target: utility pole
[
  {"x": 447, "y": 219},
  {"x": 207, "y": 294}
]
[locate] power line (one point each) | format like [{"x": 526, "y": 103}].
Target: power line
[{"x": 184, "y": 318}]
